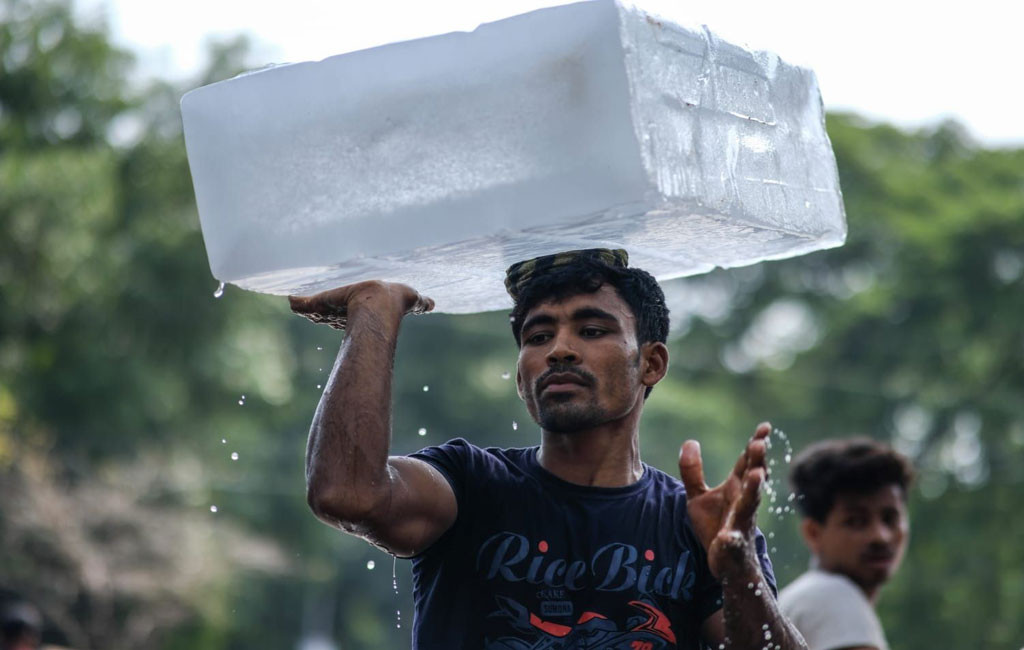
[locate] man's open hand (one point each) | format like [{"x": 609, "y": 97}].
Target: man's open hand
[
  {"x": 724, "y": 517},
  {"x": 333, "y": 307}
]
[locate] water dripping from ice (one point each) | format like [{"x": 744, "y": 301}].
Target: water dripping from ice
[
  {"x": 219, "y": 291},
  {"x": 394, "y": 585}
]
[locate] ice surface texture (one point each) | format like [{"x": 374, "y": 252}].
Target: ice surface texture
[{"x": 438, "y": 162}]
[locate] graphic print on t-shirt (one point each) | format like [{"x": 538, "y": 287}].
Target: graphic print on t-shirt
[{"x": 509, "y": 560}]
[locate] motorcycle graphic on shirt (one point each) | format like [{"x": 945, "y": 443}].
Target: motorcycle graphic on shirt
[{"x": 648, "y": 629}]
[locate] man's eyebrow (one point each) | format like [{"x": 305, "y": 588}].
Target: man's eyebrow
[
  {"x": 539, "y": 319},
  {"x": 588, "y": 313}
]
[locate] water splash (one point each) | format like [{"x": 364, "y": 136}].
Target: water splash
[
  {"x": 234, "y": 455},
  {"x": 219, "y": 291}
]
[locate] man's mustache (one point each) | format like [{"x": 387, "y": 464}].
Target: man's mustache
[{"x": 583, "y": 376}]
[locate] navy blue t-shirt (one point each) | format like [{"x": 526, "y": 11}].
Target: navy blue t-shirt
[{"x": 533, "y": 562}]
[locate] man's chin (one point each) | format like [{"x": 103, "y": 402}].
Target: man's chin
[{"x": 568, "y": 418}]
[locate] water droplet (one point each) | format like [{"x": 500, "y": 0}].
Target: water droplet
[
  {"x": 515, "y": 425},
  {"x": 750, "y": 585},
  {"x": 219, "y": 291},
  {"x": 422, "y": 431},
  {"x": 370, "y": 565},
  {"x": 771, "y": 535},
  {"x": 319, "y": 386},
  {"x": 234, "y": 455},
  {"x": 241, "y": 402},
  {"x": 223, "y": 441},
  {"x": 757, "y": 592},
  {"x": 213, "y": 508},
  {"x": 775, "y": 550},
  {"x": 321, "y": 370},
  {"x": 426, "y": 388},
  {"x": 789, "y": 457},
  {"x": 764, "y": 627},
  {"x": 319, "y": 348},
  {"x": 767, "y": 635}
]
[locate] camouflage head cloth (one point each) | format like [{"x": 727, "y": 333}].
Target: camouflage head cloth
[{"x": 519, "y": 274}]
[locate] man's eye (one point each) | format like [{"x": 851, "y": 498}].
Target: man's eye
[
  {"x": 535, "y": 339},
  {"x": 591, "y": 332}
]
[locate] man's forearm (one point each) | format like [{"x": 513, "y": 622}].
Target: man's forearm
[
  {"x": 347, "y": 453},
  {"x": 751, "y": 615}
]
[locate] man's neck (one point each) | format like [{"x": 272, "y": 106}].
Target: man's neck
[{"x": 605, "y": 456}]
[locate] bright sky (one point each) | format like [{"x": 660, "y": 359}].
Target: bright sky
[{"x": 909, "y": 62}]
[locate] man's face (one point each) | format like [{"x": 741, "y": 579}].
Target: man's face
[
  {"x": 579, "y": 364},
  {"x": 863, "y": 537}
]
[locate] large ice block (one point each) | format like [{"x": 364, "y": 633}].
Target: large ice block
[{"x": 438, "y": 162}]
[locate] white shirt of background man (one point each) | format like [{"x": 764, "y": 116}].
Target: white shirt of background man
[{"x": 831, "y": 612}]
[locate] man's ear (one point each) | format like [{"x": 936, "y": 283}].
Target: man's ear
[
  {"x": 811, "y": 532},
  {"x": 519, "y": 384},
  {"x": 654, "y": 357}
]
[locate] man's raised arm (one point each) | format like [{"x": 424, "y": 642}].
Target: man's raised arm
[
  {"x": 400, "y": 504},
  {"x": 724, "y": 519}
]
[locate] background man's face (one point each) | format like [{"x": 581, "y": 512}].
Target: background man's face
[
  {"x": 863, "y": 536},
  {"x": 579, "y": 364}
]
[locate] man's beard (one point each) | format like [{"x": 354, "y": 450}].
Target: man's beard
[
  {"x": 568, "y": 413},
  {"x": 559, "y": 415}
]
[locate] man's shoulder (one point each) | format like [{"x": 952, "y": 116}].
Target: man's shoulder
[
  {"x": 815, "y": 584},
  {"x": 831, "y": 611},
  {"x": 459, "y": 453}
]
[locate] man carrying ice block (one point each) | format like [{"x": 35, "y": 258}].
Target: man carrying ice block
[{"x": 574, "y": 543}]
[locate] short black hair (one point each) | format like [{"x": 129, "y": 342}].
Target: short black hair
[
  {"x": 636, "y": 287},
  {"x": 848, "y": 466}
]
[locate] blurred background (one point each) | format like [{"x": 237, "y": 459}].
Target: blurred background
[{"x": 152, "y": 435}]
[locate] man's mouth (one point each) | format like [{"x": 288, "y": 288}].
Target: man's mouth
[
  {"x": 560, "y": 382},
  {"x": 882, "y": 559}
]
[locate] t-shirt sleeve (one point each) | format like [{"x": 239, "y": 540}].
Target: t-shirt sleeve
[
  {"x": 455, "y": 460},
  {"x": 830, "y": 614}
]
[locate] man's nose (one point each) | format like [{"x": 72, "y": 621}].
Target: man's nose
[
  {"x": 562, "y": 350},
  {"x": 882, "y": 533}
]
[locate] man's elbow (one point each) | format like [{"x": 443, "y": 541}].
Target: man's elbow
[{"x": 347, "y": 509}]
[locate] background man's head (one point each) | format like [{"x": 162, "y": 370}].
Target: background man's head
[
  {"x": 21, "y": 626},
  {"x": 597, "y": 275},
  {"x": 852, "y": 494}
]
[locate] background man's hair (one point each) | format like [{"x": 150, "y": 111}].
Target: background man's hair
[
  {"x": 850, "y": 466},
  {"x": 636, "y": 287}
]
